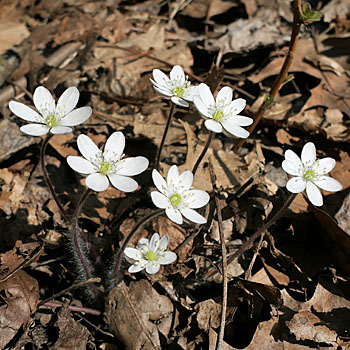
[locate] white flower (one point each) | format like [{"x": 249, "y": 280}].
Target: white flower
[
  {"x": 310, "y": 174},
  {"x": 178, "y": 88},
  {"x": 108, "y": 164},
  {"x": 177, "y": 197},
  {"x": 222, "y": 112},
  {"x": 150, "y": 254},
  {"x": 56, "y": 119}
]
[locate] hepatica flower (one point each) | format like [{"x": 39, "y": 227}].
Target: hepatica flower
[
  {"x": 176, "y": 196},
  {"x": 310, "y": 174},
  {"x": 151, "y": 254},
  {"x": 108, "y": 165},
  {"x": 57, "y": 119},
  {"x": 222, "y": 113},
  {"x": 178, "y": 88}
]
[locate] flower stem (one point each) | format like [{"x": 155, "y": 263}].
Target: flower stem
[
  {"x": 47, "y": 179},
  {"x": 81, "y": 203},
  {"x": 142, "y": 222},
  {"x": 205, "y": 149},
  {"x": 171, "y": 113}
]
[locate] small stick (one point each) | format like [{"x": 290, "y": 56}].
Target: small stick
[
  {"x": 72, "y": 308},
  {"x": 205, "y": 149}
]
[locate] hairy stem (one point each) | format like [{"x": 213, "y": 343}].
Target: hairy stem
[
  {"x": 81, "y": 203},
  {"x": 205, "y": 149}
]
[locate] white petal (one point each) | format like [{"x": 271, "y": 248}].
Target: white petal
[
  {"x": 76, "y": 117},
  {"x": 160, "y": 78},
  {"x": 205, "y": 94},
  {"x": 168, "y": 258},
  {"x": 135, "y": 268},
  {"x": 199, "y": 199},
  {"x": 153, "y": 242},
  {"x": 324, "y": 166},
  {"x": 193, "y": 216},
  {"x": 123, "y": 183},
  {"x": 308, "y": 154},
  {"x": 159, "y": 200},
  {"x": 212, "y": 125},
  {"x": 292, "y": 157},
  {"x": 237, "y": 105},
  {"x": 165, "y": 92},
  {"x": 44, "y": 101},
  {"x": 190, "y": 92},
  {"x": 224, "y": 95},
  {"x": 314, "y": 194},
  {"x": 115, "y": 145},
  {"x": 87, "y": 147},
  {"x": 173, "y": 176},
  {"x": 174, "y": 215},
  {"x": 234, "y": 129},
  {"x": 68, "y": 101},
  {"x": 24, "y": 112},
  {"x": 152, "y": 268},
  {"x": 132, "y": 253},
  {"x": 60, "y": 130},
  {"x": 179, "y": 101},
  {"x": 80, "y": 165},
  {"x": 186, "y": 179},
  {"x": 35, "y": 129},
  {"x": 97, "y": 182},
  {"x": 164, "y": 242},
  {"x": 133, "y": 166},
  {"x": 201, "y": 106},
  {"x": 290, "y": 168},
  {"x": 327, "y": 183},
  {"x": 178, "y": 74},
  {"x": 159, "y": 182},
  {"x": 242, "y": 120},
  {"x": 296, "y": 185},
  {"x": 144, "y": 242}
]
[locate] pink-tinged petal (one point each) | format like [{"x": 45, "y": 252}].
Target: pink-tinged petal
[
  {"x": 179, "y": 101},
  {"x": 135, "y": 268},
  {"x": 186, "y": 179},
  {"x": 159, "y": 200},
  {"x": 327, "y": 183},
  {"x": 114, "y": 147},
  {"x": 224, "y": 95},
  {"x": 60, "y": 130},
  {"x": 80, "y": 165},
  {"x": 193, "y": 216},
  {"x": 173, "y": 176},
  {"x": 164, "y": 92},
  {"x": 97, "y": 182},
  {"x": 132, "y": 166},
  {"x": 198, "y": 199},
  {"x": 159, "y": 182},
  {"x": 152, "y": 268},
  {"x": 177, "y": 73},
  {"x": 35, "y": 129},
  {"x": 68, "y": 101},
  {"x": 164, "y": 242},
  {"x": 308, "y": 154},
  {"x": 44, "y": 101},
  {"x": 76, "y": 117},
  {"x": 132, "y": 253},
  {"x": 314, "y": 194},
  {"x": 154, "y": 241},
  {"x": 87, "y": 147},
  {"x": 212, "y": 125},
  {"x": 237, "y": 105},
  {"x": 324, "y": 166},
  {"x": 174, "y": 215},
  {"x": 201, "y": 106},
  {"x": 160, "y": 78},
  {"x": 293, "y": 158},
  {"x": 123, "y": 183},
  {"x": 296, "y": 185},
  {"x": 168, "y": 258},
  {"x": 290, "y": 168},
  {"x": 230, "y": 126},
  {"x": 242, "y": 120},
  {"x": 205, "y": 94},
  {"x": 24, "y": 112}
]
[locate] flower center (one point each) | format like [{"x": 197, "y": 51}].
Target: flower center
[
  {"x": 309, "y": 175},
  {"x": 175, "y": 200},
  {"x": 178, "y": 91},
  {"x": 51, "y": 120},
  {"x": 105, "y": 167},
  {"x": 218, "y": 115},
  {"x": 151, "y": 256}
]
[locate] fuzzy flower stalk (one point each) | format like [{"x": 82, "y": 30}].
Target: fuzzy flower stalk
[
  {"x": 150, "y": 254},
  {"x": 177, "y": 197},
  {"x": 309, "y": 174}
]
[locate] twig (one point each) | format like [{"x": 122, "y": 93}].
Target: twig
[
  {"x": 249, "y": 270},
  {"x": 205, "y": 149},
  {"x": 282, "y": 74},
  {"x": 85, "y": 310}
]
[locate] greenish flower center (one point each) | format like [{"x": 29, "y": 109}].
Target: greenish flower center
[
  {"x": 105, "y": 167},
  {"x": 51, "y": 120},
  {"x": 218, "y": 115},
  {"x": 175, "y": 199},
  {"x": 178, "y": 91},
  {"x": 309, "y": 174},
  {"x": 151, "y": 256}
]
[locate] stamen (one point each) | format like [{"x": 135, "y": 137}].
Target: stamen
[
  {"x": 151, "y": 256},
  {"x": 218, "y": 115},
  {"x": 309, "y": 174},
  {"x": 175, "y": 200}
]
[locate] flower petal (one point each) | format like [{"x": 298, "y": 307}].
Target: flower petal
[
  {"x": 190, "y": 92},
  {"x": 152, "y": 268},
  {"x": 135, "y": 268},
  {"x": 230, "y": 125},
  {"x": 159, "y": 182},
  {"x": 164, "y": 242},
  {"x": 114, "y": 147},
  {"x": 242, "y": 120},
  {"x": 154, "y": 241},
  {"x": 201, "y": 106},
  {"x": 123, "y": 183},
  {"x": 199, "y": 199},
  {"x": 87, "y": 147},
  {"x": 174, "y": 215},
  {"x": 161, "y": 78},
  {"x": 193, "y": 216},
  {"x": 224, "y": 96},
  {"x": 97, "y": 182},
  {"x": 132, "y": 253},
  {"x": 44, "y": 101},
  {"x": 327, "y": 183},
  {"x": 167, "y": 258},
  {"x": 212, "y": 125},
  {"x": 80, "y": 165},
  {"x": 164, "y": 92},
  {"x": 132, "y": 166},
  {"x": 179, "y": 101},
  {"x": 205, "y": 94},
  {"x": 290, "y": 168},
  {"x": 60, "y": 130},
  {"x": 160, "y": 200},
  {"x": 314, "y": 194},
  {"x": 24, "y": 112},
  {"x": 237, "y": 105},
  {"x": 308, "y": 154},
  {"x": 296, "y": 184},
  {"x": 173, "y": 176},
  {"x": 67, "y": 101},
  {"x": 76, "y": 117},
  {"x": 292, "y": 157},
  {"x": 177, "y": 74},
  {"x": 186, "y": 179},
  {"x": 325, "y": 165},
  {"x": 35, "y": 129}
]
